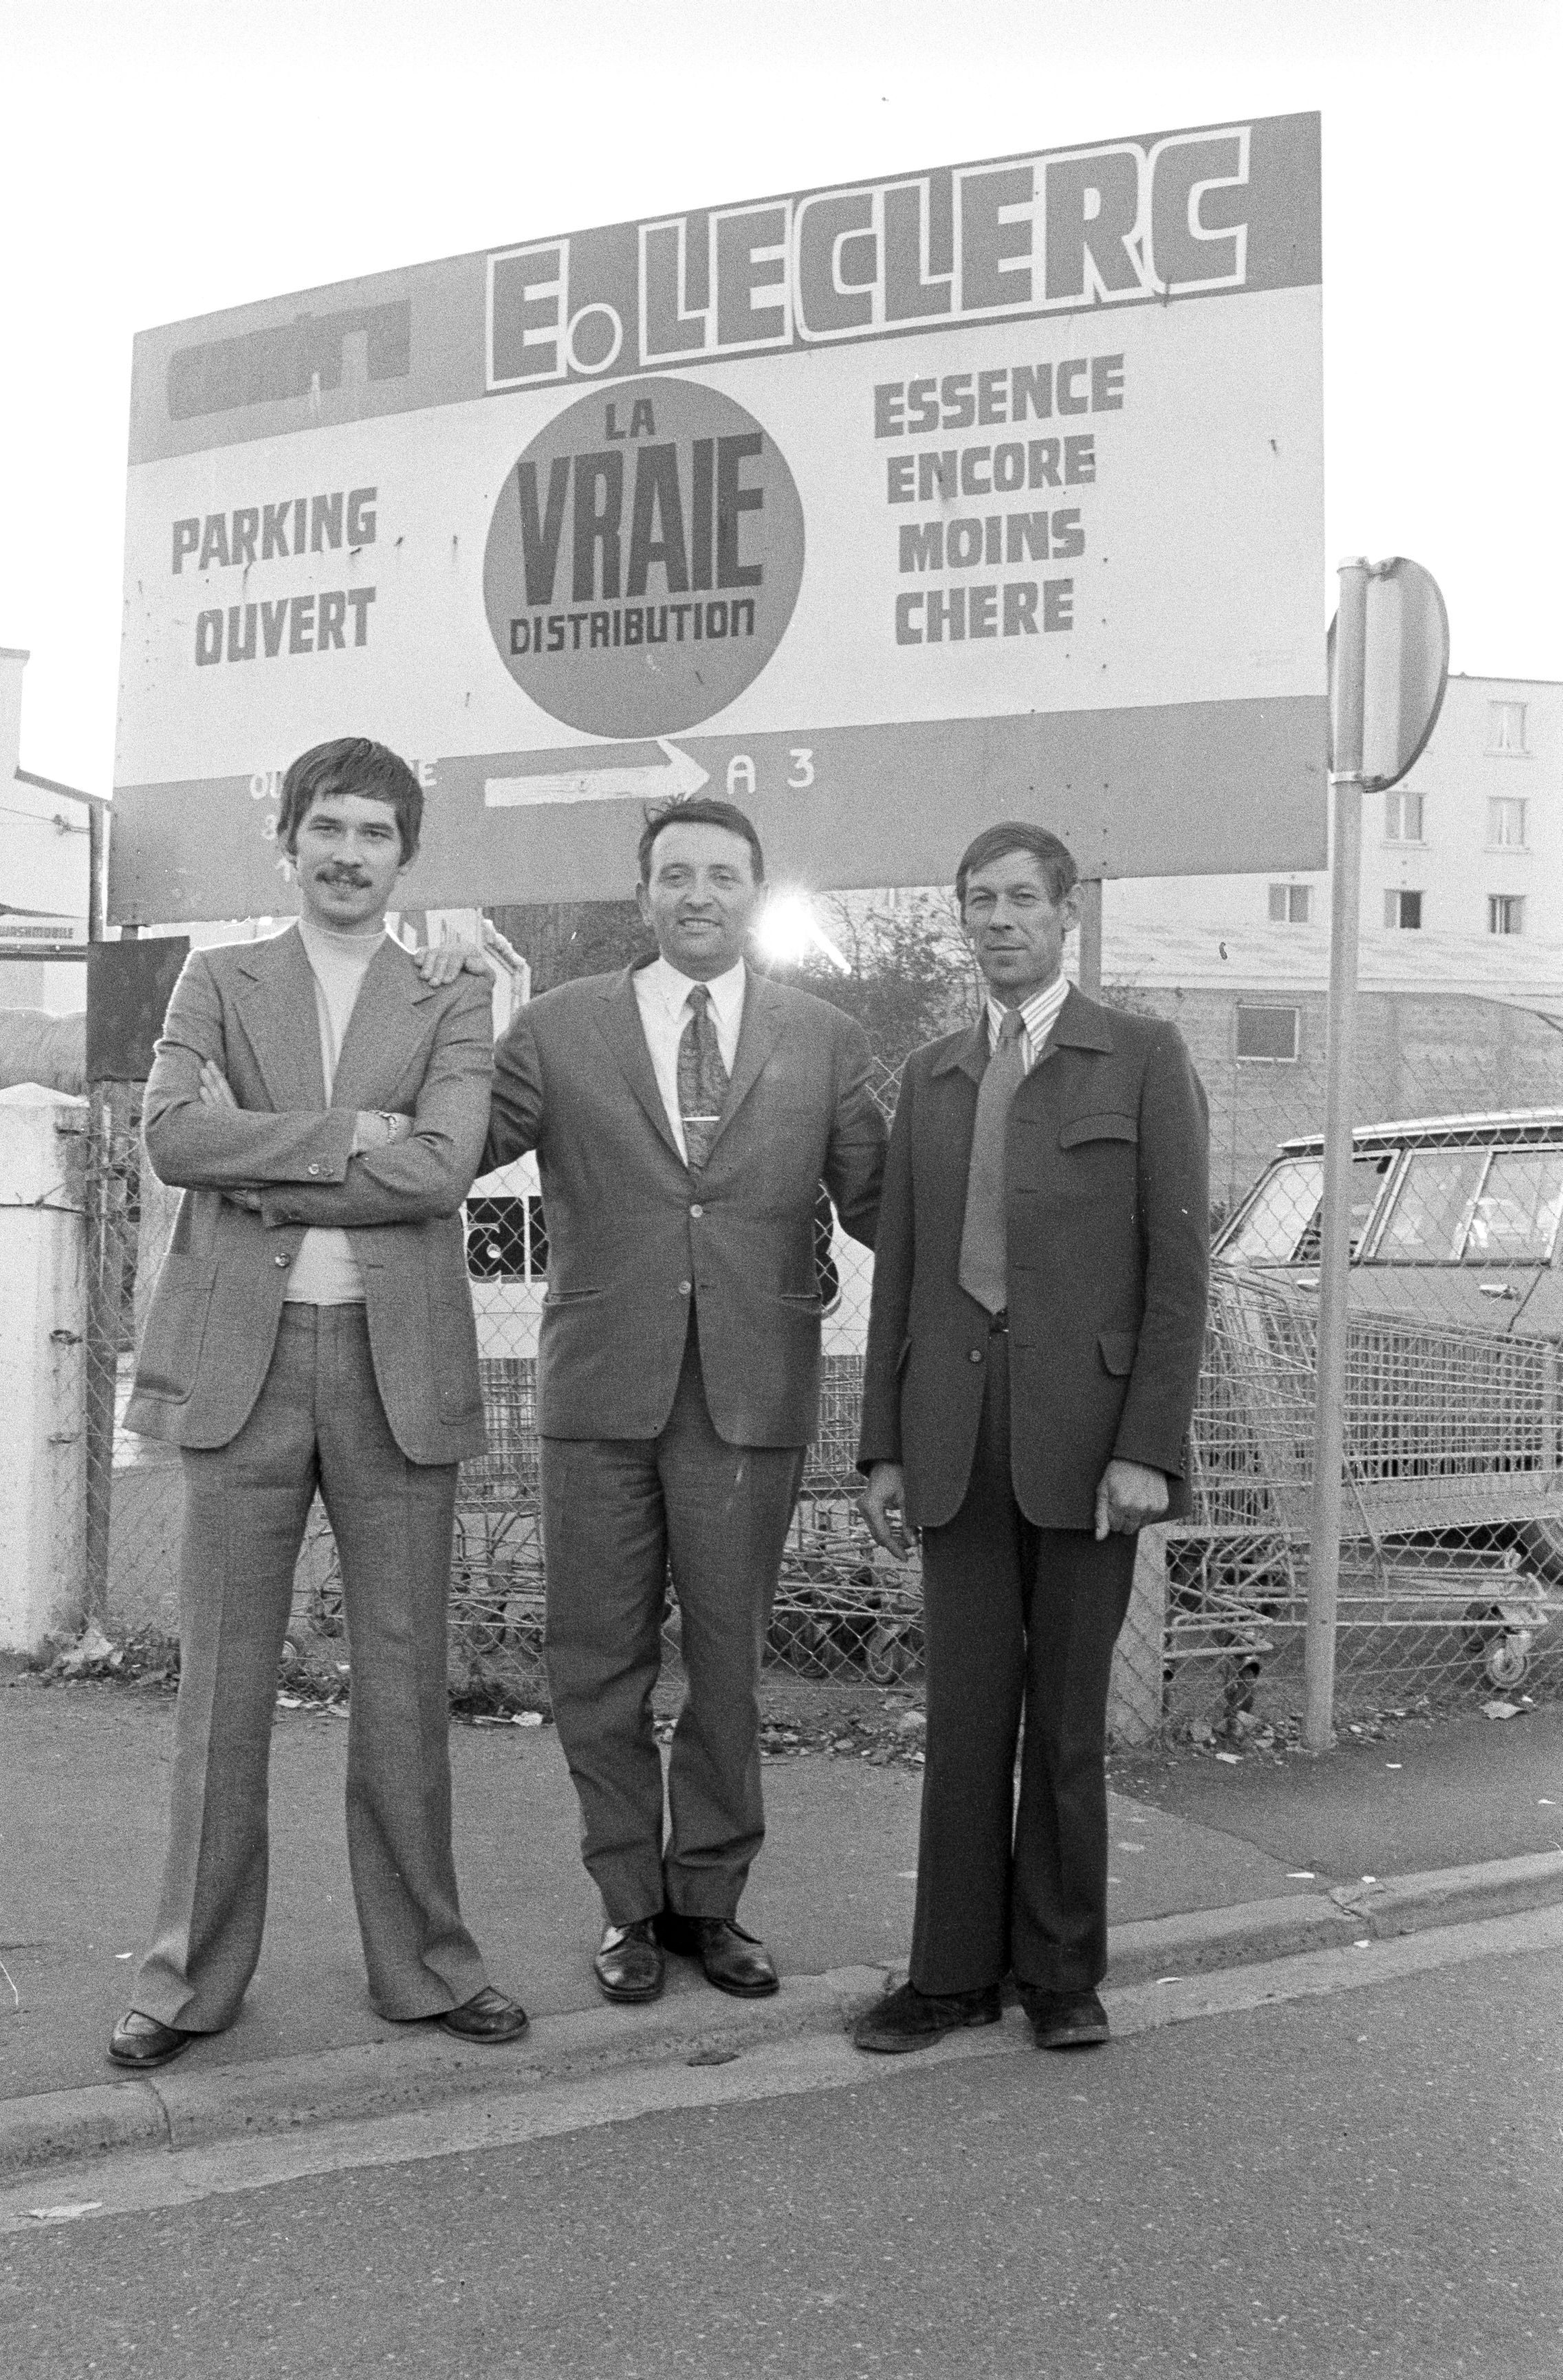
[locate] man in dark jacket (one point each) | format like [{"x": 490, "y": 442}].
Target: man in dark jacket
[{"x": 1034, "y": 1351}]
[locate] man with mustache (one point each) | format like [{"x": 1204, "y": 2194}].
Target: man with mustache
[
  {"x": 1034, "y": 1352},
  {"x": 684, "y": 1113},
  {"x": 323, "y": 1104}
]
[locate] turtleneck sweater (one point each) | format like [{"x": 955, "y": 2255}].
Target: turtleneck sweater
[{"x": 325, "y": 1273}]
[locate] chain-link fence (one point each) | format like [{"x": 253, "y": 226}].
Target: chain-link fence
[{"x": 1452, "y": 1586}]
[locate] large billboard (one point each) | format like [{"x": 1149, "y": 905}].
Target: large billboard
[{"x": 886, "y": 510}]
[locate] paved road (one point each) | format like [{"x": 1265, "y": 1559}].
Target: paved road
[{"x": 1367, "y": 2180}]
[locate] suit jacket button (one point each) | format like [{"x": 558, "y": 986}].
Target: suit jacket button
[
  {"x": 281, "y": 1261},
  {"x": 696, "y": 1210},
  {"x": 974, "y": 1357},
  {"x": 314, "y": 1168},
  {"x": 684, "y": 1287}
]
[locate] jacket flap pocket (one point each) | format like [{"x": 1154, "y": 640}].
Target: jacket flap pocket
[
  {"x": 1097, "y": 1127},
  {"x": 1117, "y": 1348}
]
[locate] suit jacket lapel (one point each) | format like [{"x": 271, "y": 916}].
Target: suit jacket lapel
[
  {"x": 1079, "y": 1025},
  {"x": 967, "y": 1053},
  {"x": 383, "y": 1029},
  {"x": 757, "y": 1035},
  {"x": 276, "y": 1008},
  {"x": 618, "y": 1018}
]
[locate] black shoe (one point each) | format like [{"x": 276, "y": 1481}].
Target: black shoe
[
  {"x": 909, "y": 2018},
  {"x": 1065, "y": 2020},
  {"x": 629, "y": 1964},
  {"x": 734, "y": 1961},
  {"x": 141, "y": 2041},
  {"x": 488, "y": 2016}
]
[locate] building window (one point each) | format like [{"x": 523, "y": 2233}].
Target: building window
[
  {"x": 1505, "y": 727},
  {"x": 1505, "y": 824},
  {"x": 1271, "y": 1033},
  {"x": 1290, "y": 905},
  {"x": 1402, "y": 817},
  {"x": 1403, "y": 909},
  {"x": 1506, "y": 913}
]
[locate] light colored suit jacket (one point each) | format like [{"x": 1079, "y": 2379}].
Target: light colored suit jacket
[
  {"x": 1108, "y": 1226},
  {"x": 633, "y": 1235},
  {"x": 214, "y": 1318}
]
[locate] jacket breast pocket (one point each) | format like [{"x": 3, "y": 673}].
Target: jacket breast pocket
[
  {"x": 1106, "y": 1125},
  {"x": 177, "y": 1327}
]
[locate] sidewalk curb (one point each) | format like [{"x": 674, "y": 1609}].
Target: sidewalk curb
[{"x": 187, "y": 2106}]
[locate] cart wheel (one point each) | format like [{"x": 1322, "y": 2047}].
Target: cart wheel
[
  {"x": 887, "y": 1656},
  {"x": 1509, "y": 1657}
]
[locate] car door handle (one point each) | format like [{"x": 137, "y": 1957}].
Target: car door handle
[{"x": 1497, "y": 1289}]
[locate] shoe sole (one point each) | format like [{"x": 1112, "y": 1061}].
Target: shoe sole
[
  {"x": 743, "y": 1991},
  {"x": 623, "y": 1998},
  {"x": 1091, "y": 2037},
  {"x": 485, "y": 2040},
  {"x": 137, "y": 2065},
  {"x": 898, "y": 2045}
]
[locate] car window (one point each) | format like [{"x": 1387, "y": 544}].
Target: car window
[
  {"x": 1283, "y": 1225},
  {"x": 1367, "y": 1180},
  {"x": 1433, "y": 1206},
  {"x": 1515, "y": 1216},
  {"x": 1285, "y": 1207}
]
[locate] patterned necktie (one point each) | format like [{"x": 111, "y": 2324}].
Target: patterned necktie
[
  {"x": 702, "y": 1079},
  {"x": 985, "y": 1272}
]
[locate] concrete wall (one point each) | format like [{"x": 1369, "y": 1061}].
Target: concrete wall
[{"x": 1415, "y": 1057}]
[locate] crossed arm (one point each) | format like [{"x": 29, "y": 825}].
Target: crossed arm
[{"x": 317, "y": 1166}]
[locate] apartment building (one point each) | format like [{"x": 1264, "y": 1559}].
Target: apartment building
[{"x": 1470, "y": 844}]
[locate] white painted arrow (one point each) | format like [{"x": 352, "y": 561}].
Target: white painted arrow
[{"x": 649, "y": 781}]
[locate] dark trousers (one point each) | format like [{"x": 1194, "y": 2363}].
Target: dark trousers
[
  {"x": 317, "y": 1421},
  {"x": 616, "y": 1513},
  {"x": 1018, "y": 1622}
]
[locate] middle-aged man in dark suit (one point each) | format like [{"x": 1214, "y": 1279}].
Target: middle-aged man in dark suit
[
  {"x": 1034, "y": 1351},
  {"x": 323, "y": 1104},
  {"x": 684, "y": 1113}
]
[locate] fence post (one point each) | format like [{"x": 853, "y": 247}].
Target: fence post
[
  {"x": 1334, "y": 1251},
  {"x": 109, "y": 1109},
  {"x": 1091, "y": 937}
]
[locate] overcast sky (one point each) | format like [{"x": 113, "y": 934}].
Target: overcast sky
[{"x": 165, "y": 158}]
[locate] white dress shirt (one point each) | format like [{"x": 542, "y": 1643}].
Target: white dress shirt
[
  {"x": 663, "y": 995},
  {"x": 1039, "y": 1014},
  {"x": 325, "y": 1271}
]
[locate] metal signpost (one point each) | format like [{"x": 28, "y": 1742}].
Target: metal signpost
[
  {"x": 885, "y": 510},
  {"x": 1389, "y": 658}
]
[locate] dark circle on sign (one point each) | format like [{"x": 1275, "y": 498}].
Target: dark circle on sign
[{"x": 644, "y": 558}]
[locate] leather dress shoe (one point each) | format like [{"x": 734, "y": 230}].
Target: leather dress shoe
[
  {"x": 1065, "y": 2020},
  {"x": 488, "y": 2016},
  {"x": 909, "y": 2018},
  {"x": 734, "y": 1961},
  {"x": 629, "y": 1964},
  {"x": 141, "y": 2041}
]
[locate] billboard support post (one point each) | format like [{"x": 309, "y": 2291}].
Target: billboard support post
[
  {"x": 1335, "y": 1253},
  {"x": 1091, "y": 937}
]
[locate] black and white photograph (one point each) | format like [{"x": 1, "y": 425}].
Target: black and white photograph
[{"x": 781, "y": 1190}]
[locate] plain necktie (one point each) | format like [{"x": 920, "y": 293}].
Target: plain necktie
[
  {"x": 985, "y": 1272},
  {"x": 702, "y": 1079}
]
